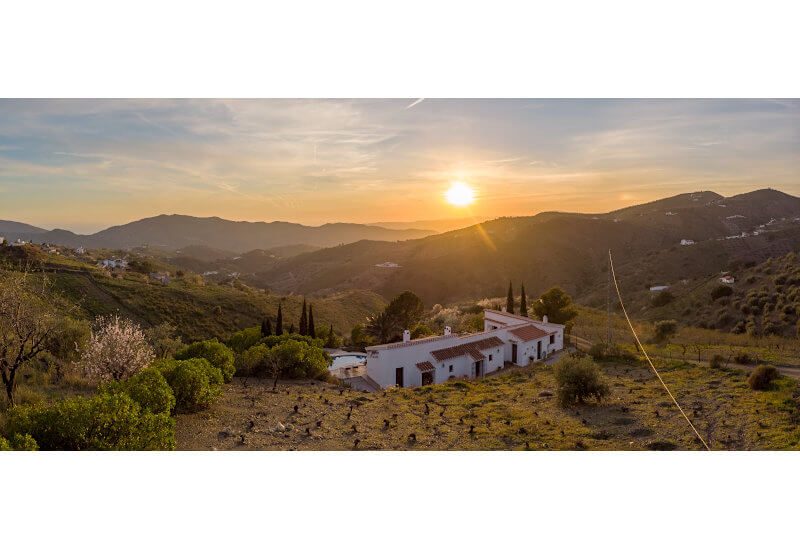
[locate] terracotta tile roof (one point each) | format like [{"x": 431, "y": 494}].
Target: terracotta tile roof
[
  {"x": 425, "y": 366},
  {"x": 475, "y": 354},
  {"x": 528, "y": 333},
  {"x": 470, "y": 347}
]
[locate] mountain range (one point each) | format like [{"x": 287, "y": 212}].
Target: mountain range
[
  {"x": 172, "y": 232},
  {"x": 558, "y": 248}
]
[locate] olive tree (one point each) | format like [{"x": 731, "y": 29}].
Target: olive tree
[{"x": 30, "y": 315}]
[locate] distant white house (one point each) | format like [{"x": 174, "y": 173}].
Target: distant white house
[
  {"x": 659, "y": 288},
  {"x": 687, "y": 242},
  {"x": 387, "y": 264},
  {"x": 727, "y": 280},
  {"x": 19, "y": 242},
  {"x": 670, "y": 214},
  {"x": 80, "y": 250},
  {"x": 113, "y": 263},
  {"x": 2, "y": 240},
  {"x": 209, "y": 273},
  {"x": 506, "y": 338}
]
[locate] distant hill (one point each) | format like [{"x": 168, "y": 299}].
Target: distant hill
[
  {"x": 557, "y": 248},
  {"x": 8, "y": 228},
  {"x": 438, "y": 226},
  {"x": 172, "y": 232}
]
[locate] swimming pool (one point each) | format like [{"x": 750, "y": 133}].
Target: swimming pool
[{"x": 347, "y": 360}]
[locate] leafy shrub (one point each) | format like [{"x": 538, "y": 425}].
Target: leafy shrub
[
  {"x": 215, "y": 353},
  {"x": 762, "y": 377},
  {"x": 5, "y": 445},
  {"x": 254, "y": 361},
  {"x": 578, "y": 379},
  {"x": 719, "y": 291},
  {"x": 23, "y": 442},
  {"x": 298, "y": 360},
  {"x": 149, "y": 389},
  {"x": 104, "y": 422},
  {"x": 743, "y": 358},
  {"x": 195, "y": 383},
  {"x": 245, "y": 339}
]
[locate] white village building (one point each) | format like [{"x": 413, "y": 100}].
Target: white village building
[{"x": 505, "y": 338}]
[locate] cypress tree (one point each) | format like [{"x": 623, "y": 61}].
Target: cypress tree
[
  {"x": 510, "y": 299},
  {"x": 266, "y": 327},
  {"x": 329, "y": 341},
  {"x": 304, "y": 319},
  {"x": 523, "y": 303},
  {"x": 291, "y": 328},
  {"x": 312, "y": 331},
  {"x": 279, "y": 322}
]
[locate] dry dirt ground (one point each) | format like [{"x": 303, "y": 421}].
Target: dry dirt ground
[{"x": 514, "y": 410}]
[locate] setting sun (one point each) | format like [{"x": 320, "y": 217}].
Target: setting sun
[{"x": 460, "y": 194}]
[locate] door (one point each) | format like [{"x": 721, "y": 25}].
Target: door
[
  {"x": 427, "y": 378},
  {"x": 539, "y": 349},
  {"x": 514, "y": 353},
  {"x": 478, "y": 369},
  {"x": 398, "y": 377}
]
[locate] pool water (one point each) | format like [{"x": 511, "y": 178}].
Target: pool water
[{"x": 347, "y": 360}]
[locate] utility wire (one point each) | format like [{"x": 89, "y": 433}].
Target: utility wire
[{"x": 644, "y": 352}]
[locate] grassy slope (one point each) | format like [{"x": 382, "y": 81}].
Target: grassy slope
[
  {"x": 507, "y": 412},
  {"x": 193, "y": 308}
]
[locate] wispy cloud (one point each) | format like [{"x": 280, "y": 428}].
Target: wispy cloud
[{"x": 415, "y": 103}]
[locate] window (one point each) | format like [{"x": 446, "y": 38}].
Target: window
[
  {"x": 451, "y": 368},
  {"x": 490, "y": 357},
  {"x": 552, "y": 338}
]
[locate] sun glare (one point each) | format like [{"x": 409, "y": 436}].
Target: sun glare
[{"x": 460, "y": 194}]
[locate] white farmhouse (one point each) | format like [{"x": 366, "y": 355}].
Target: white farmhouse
[
  {"x": 727, "y": 280},
  {"x": 687, "y": 242},
  {"x": 659, "y": 288},
  {"x": 506, "y": 338}
]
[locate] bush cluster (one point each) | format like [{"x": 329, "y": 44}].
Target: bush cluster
[
  {"x": 149, "y": 389},
  {"x": 578, "y": 379},
  {"x": 762, "y": 377},
  {"x": 195, "y": 383},
  {"x": 107, "y": 421},
  {"x": 215, "y": 353}
]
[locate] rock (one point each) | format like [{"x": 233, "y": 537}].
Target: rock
[
  {"x": 545, "y": 393},
  {"x": 279, "y": 427}
]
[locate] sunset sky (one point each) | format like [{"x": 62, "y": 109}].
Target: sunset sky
[{"x": 87, "y": 164}]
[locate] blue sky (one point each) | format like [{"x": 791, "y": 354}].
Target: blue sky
[{"x": 87, "y": 164}]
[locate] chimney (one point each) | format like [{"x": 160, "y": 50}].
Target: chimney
[
  {"x": 406, "y": 335},
  {"x": 544, "y": 318},
  {"x": 448, "y": 331}
]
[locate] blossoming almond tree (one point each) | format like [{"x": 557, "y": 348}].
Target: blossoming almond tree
[{"x": 117, "y": 349}]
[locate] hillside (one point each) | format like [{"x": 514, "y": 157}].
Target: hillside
[
  {"x": 172, "y": 232},
  {"x": 198, "y": 309},
  {"x": 553, "y": 248},
  {"x": 763, "y": 300}
]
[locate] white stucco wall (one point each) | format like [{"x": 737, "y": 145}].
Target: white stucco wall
[{"x": 383, "y": 360}]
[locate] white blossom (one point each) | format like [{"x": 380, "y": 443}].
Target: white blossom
[{"x": 117, "y": 349}]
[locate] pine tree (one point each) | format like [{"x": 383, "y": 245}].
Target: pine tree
[
  {"x": 279, "y": 322},
  {"x": 304, "y": 319},
  {"x": 523, "y": 303},
  {"x": 312, "y": 331},
  {"x": 510, "y": 299},
  {"x": 266, "y": 327}
]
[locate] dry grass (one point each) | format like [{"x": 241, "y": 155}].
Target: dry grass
[{"x": 511, "y": 411}]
